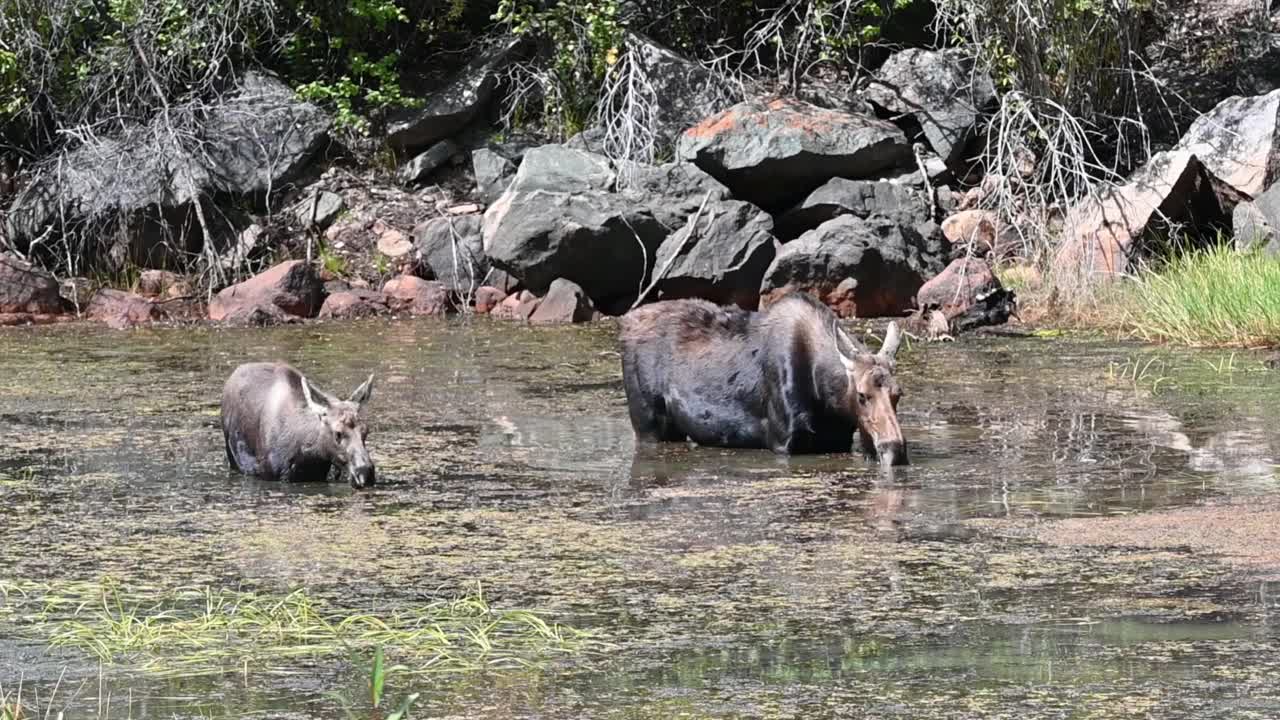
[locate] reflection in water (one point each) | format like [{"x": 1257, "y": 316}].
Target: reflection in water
[{"x": 736, "y": 583}]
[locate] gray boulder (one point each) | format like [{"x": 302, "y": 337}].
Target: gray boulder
[
  {"x": 721, "y": 255},
  {"x": 673, "y": 190},
  {"x": 562, "y": 169},
  {"x": 493, "y": 173},
  {"x": 454, "y": 106},
  {"x": 859, "y": 267},
  {"x": 428, "y": 161},
  {"x": 564, "y": 302},
  {"x": 604, "y": 242},
  {"x": 453, "y": 248},
  {"x": 1254, "y": 222},
  {"x": 775, "y": 152},
  {"x": 682, "y": 91},
  {"x": 862, "y": 198},
  {"x": 938, "y": 88},
  {"x": 319, "y": 209},
  {"x": 254, "y": 140},
  {"x": 1237, "y": 142}
]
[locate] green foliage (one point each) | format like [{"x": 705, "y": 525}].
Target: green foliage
[
  {"x": 584, "y": 39},
  {"x": 1213, "y": 297}
]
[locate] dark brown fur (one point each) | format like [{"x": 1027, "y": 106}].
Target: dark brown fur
[{"x": 788, "y": 379}]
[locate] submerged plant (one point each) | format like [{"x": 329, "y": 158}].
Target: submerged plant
[{"x": 206, "y": 631}]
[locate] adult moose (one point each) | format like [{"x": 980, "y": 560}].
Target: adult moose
[
  {"x": 788, "y": 379},
  {"x": 278, "y": 426}
]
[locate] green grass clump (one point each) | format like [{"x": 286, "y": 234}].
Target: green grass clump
[
  {"x": 1215, "y": 297},
  {"x": 187, "y": 632}
]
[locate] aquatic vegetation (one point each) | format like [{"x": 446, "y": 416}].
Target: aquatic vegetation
[
  {"x": 378, "y": 673},
  {"x": 185, "y": 632},
  {"x": 1213, "y": 297}
]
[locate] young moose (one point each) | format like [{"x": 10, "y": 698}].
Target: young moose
[
  {"x": 278, "y": 426},
  {"x": 788, "y": 379}
]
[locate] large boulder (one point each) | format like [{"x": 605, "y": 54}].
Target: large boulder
[
  {"x": 1103, "y": 234},
  {"x": 1255, "y": 222},
  {"x": 958, "y": 285},
  {"x": 421, "y": 166},
  {"x": 407, "y": 293},
  {"x": 292, "y": 286},
  {"x": 120, "y": 310},
  {"x": 673, "y": 191},
  {"x": 859, "y": 267},
  {"x": 564, "y": 302},
  {"x": 983, "y": 232},
  {"x": 563, "y": 169},
  {"x": 775, "y": 152},
  {"x": 26, "y": 289},
  {"x": 681, "y": 91},
  {"x": 493, "y": 172},
  {"x": 862, "y": 198},
  {"x": 604, "y": 242},
  {"x": 454, "y": 106},
  {"x": 252, "y": 141},
  {"x": 353, "y": 304},
  {"x": 453, "y": 247},
  {"x": 1238, "y": 142},
  {"x": 720, "y": 255},
  {"x": 939, "y": 89}
]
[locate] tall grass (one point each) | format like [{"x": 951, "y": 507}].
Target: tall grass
[
  {"x": 184, "y": 632},
  {"x": 1213, "y": 297}
]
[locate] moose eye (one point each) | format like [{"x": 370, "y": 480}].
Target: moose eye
[{"x": 862, "y": 398}]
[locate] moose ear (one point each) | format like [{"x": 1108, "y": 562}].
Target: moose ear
[
  {"x": 362, "y": 393},
  {"x": 316, "y": 400}
]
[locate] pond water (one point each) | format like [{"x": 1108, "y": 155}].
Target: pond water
[{"x": 719, "y": 584}]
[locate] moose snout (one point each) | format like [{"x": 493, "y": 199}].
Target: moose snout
[
  {"x": 892, "y": 452},
  {"x": 362, "y": 477}
]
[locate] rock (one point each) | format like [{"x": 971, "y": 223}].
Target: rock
[
  {"x": 958, "y": 284},
  {"x": 425, "y": 163},
  {"x": 254, "y": 140},
  {"x": 292, "y": 286},
  {"x": 861, "y": 268},
  {"x": 257, "y": 315},
  {"x": 589, "y": 140},
  {"x": 941, "y": 90},
  {"x": 507, "y": 309},
  {"x": 672, "y": 191},
  {"x": 562, "y": 169},
  {"x": 604, "y": 242},
  {"x": 1104, "y": 232},
  {"x": 487, "y": 298},
  {"x": 248, "y": 243},
  {"x": 120, "y": 310},
  {"x": 862, "y": 198},
  {"x": 319, "y": 209},
  {"x": 76, "y": 291},
  {"x": 416, "y": 296},
  {"x": 683, "y": 92},
  {"x": 156, "y": 283},
  {"x": 1253, "y": 229},
  {"x": 450, "y": 110},
  {"x": 1236, "y": 141},
  {"x": 493, "y": 173},
  {"x": 984, "y": 231},
  {"x": 353, "y": 304},
  {"x": 463, "y": 209},
  {"x": 774, "y": 153},
  {"x": 454, "y": 250},
  {"x": 723, "y": 258},
  {"x": 565, "y": 302},
  {"x": 528, "y": 306},
  {"x": 26, "y": 289},
  {"x": 392, "y": 242}
]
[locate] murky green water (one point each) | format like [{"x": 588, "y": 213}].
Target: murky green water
[{"x": 728, "y": 584}]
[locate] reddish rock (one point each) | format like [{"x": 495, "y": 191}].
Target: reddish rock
[
  {"x": 565, "y": 302},
  {"x": 25, "y": 289},
  {"x": 258, "y": 316},
  {"x": 352, "y": 304},
  {"x": 984, "y": 231},
  {"x": 417, "y": 296},
  {"x": 291, "y": 286},
  {"x": 963, "y": 280},
  {"x": 506, "y": 310},
  {"x": 487, "y": 298},
  {"x": 120, "y": 310},
  {"x": 10, "y": 319}
]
